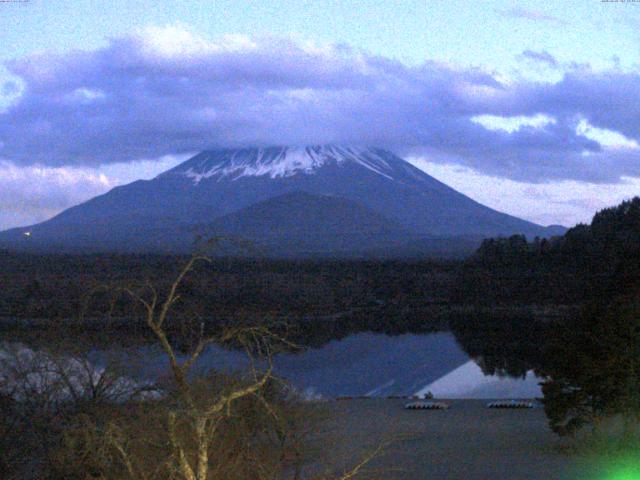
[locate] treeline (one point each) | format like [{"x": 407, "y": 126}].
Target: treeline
[
  {"x": 591, "y": 360},
  {"x": 346, "y": 296},
  {"x": 504, "y": 344},
  {"x": 65, "y": 286},
  {"x": 588, "y": 260},
  {"x": 588, "y": 270}
]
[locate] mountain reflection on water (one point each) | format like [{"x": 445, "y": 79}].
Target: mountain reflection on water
[
  {"x": 478, "y": 358},
  {"x": 375, "y": 364}
]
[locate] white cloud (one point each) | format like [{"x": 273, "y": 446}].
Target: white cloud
[
  {"x": 564, "y": 203},
  {"x": 35, "y": 193},
  {"x": 605, "y": 137},
  {"x": 73, "y": 124},
  {"x": 167, "y": 90},
  {"x": 512, "y": 124}
]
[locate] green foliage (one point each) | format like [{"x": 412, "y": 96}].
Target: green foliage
[
  {"x": 589, "y": 260},
  {"x": 594, "y": 367},
  {"x": 592, "y": 361}
]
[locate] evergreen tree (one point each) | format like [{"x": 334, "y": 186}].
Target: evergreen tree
[{"x": 593, "y": 368}]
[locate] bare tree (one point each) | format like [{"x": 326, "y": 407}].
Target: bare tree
[
  {"x": 199, "y": 409},
  {"x": 196, "y": 426},
  {"x": 197, "y": 420}
]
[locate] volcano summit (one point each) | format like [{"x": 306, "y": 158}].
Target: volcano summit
[{"x": 287, "y": 201}]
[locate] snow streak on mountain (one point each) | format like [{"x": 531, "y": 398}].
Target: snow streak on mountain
[{"x": 282, "y": 162}]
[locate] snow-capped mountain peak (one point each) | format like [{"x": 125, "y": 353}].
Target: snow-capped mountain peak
[
  {"x": 291, "y": 201},
  {"x": 280, "y": 162}
]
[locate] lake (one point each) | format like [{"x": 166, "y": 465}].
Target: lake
[
  {"x": 375, "y": 364},
  {"x": 360, "y": 364}
]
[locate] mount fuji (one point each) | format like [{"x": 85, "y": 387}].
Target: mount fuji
[{"x": 287, "y": 201}]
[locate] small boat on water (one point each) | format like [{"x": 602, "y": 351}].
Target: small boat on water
[
  {"x": 511, "y": 404},
  {"x": 426, "y": 405}
]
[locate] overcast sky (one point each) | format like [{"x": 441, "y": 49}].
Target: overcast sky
[{"x": 529, "y": 107}]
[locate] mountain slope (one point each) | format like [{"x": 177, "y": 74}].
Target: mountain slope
[
  {"x": 301, "y": 224},
  {"x": 159, "y": 214}
]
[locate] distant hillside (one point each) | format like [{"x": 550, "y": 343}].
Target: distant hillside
[{"x": 299, "y": 224}]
